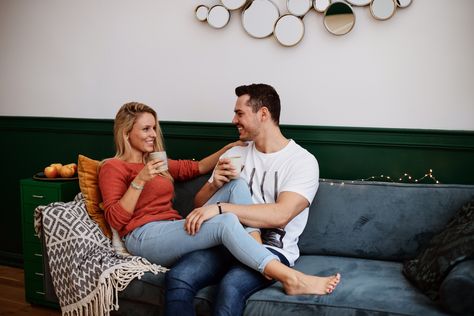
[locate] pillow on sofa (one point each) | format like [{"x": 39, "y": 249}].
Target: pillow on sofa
[
  {"x": 88, "y": 170},
  {"x": 452, "y": 245},
  {"x": 456, "y": 293}
]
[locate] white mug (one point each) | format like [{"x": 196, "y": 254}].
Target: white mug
[
  {"x": 160, "y": 155},
  {"x": 237, "y": 163}
]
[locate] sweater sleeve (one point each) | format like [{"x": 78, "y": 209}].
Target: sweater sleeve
[
  {"x": 182, "y": 170},
  {"x": 113, "y": 183}
]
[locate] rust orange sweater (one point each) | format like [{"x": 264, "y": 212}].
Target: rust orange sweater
[{"x": 155, "y": 201}]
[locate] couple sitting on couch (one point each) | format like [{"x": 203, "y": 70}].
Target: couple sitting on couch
[{"x": 273, "y": 192}]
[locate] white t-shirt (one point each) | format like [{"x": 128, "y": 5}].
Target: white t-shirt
[{"x": 291, "y": 169}]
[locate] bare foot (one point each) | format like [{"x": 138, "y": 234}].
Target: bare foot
[{"x": 302, "y": 283}]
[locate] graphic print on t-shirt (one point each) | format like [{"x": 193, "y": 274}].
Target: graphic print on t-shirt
[
  {"x": 270, "y": 236},
  {"x": 273, "y": 237}
]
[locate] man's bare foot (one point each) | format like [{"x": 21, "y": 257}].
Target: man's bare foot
[{"x": 302, "y": 283}]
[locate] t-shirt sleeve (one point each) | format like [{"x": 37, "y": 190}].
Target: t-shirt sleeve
[
  {"x": 113, "y": 184},
  {"x": 303, "y": 178}
]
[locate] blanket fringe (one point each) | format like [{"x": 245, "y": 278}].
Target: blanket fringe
[{"x": 104, "y": 298}]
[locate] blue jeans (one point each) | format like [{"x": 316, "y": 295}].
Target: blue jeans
[
  {"x": 215, "y": 266},
  {"x": 164, "y": 242},
  {"x": 235, "y": 282}
]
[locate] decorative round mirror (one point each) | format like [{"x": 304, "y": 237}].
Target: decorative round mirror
[
  {"x": 321, "y": 5},
  {"x": 233, "y": 4},
  {"x": 218, "y": 16},
  {"x": 403, "y": 3},
  {"x": 259, "y": 18},
  {"x": 359, "y": 3},
  {"x": 201, "y": 13},
  {"x": 298, "y": 7},
  {"x": 339, "y": 19},
  {"x": 289, "y": 30},
  {"x": 382, "y": 9}
]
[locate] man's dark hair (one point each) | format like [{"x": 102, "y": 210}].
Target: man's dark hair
[{"x": 262, "y": 95}]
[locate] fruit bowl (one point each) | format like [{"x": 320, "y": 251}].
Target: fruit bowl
[{"x": 40, "y": 176}]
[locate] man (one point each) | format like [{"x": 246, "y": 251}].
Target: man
[{"x": 282, "y": 178}]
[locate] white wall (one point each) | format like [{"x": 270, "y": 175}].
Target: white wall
[{"x": 85, "y": 58}]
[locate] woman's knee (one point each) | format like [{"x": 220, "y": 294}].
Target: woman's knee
[{"x": 228, "y": 219}]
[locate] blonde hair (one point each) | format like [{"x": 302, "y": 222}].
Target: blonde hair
[{"x": 123, "y": 124}]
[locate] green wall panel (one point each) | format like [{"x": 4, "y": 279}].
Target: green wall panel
[{"x": 30, "y": 143}]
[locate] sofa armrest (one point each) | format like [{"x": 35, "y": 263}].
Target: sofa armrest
[{"x": 457, "y": 290}]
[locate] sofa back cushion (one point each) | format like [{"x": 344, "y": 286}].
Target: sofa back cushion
[
  {"x": 376, "y": 220},
  {"x": 184, "y": 194}
]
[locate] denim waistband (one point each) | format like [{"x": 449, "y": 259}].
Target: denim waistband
[{"x": 280, "y": 256}]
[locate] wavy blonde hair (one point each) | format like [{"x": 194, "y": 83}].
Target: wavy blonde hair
[{"x": 123, "y": 124}]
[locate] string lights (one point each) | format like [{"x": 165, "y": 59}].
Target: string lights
[{"x": 405, "y": 178}]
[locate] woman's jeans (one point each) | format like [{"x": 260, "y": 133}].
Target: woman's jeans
[{"x": 164, "y": 242}]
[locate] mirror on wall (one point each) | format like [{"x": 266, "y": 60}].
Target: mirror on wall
[
  {"x": 259, "y": 18},
  {"x": 298, "y": 7},
  {"x": 201, "y": 13},
  {"x": 233, "y": 4},
  {"x": 382, "y": 9},
  {"x": 289, "y": 30},
  {"x": 359, "y": 3},
  {"x": 321, "y": 5},
  {"x": 339, "y": 19},
  {"x": 403, "y": 3},
  {"x": 218, "y": 16},
  {"x": 262, "y": 18}
]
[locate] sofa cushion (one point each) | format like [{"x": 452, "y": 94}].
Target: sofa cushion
[
  {"x": 88, "y": 170},
  {"x": 375, "y": 220},
  {"x": 359, "y": 292},
  {"x": 185, "y": 191},
  {"x": 452, "y": 245},
  {"x": 456, "y": 293},
  {"x": 367, "y": 287}
]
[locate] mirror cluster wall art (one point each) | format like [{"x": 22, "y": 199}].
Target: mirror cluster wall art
[{"x": 262, "y": 18}]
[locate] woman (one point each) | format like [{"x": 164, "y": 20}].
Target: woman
[{"x": 138, "y": 204}]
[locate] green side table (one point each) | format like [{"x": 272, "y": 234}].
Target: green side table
[{"x": 34, "y": 193}]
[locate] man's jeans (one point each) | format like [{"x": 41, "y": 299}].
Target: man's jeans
[
  {"x": 201, "y": 268},
  {"x": 216, "y": 265}
]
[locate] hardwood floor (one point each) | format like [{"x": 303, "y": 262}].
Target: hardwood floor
[{"x": 12, "y": 295}]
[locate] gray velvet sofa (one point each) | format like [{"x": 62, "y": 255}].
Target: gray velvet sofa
[{"x": 363, "y": 230}]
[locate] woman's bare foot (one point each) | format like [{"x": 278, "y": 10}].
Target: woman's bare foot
[{"x": 301, "y": 283}]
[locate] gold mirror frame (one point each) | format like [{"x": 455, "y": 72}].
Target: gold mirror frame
[
  {"x": 339, "y": 19},
  {"x": 233, "y": 4},
  {"x": 359, "y": 3},
  {"x": 403, "y": 3},
  {"x": 321, "y": 5},
  {"x": 201, "y": 13},
  {"x": 218, "y": 16},
  {"x": 259, "y": 18},
  {"x": 382, "y": 9},
  {"x": 289, "y": 30},
  {"x": 298, "y": 7}
]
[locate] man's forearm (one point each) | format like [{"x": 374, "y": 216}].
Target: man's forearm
[
  {"x": 270, "y": 215},
  {"x": 206, "y": 192},
  {"x": 258, "y": 215}
]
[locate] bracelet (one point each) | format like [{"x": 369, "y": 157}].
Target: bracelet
[
  {"x": 219, "y": 206},
  {"x": 136, "y": 186}
]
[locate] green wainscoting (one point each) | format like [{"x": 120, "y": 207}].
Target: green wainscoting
[{"x": 30, "y": 143}]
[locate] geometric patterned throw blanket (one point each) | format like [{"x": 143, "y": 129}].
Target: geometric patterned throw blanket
[{"x": 86, "y": 271}]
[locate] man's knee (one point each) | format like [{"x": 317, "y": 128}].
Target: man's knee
[{"x": 237, "y": 183}]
